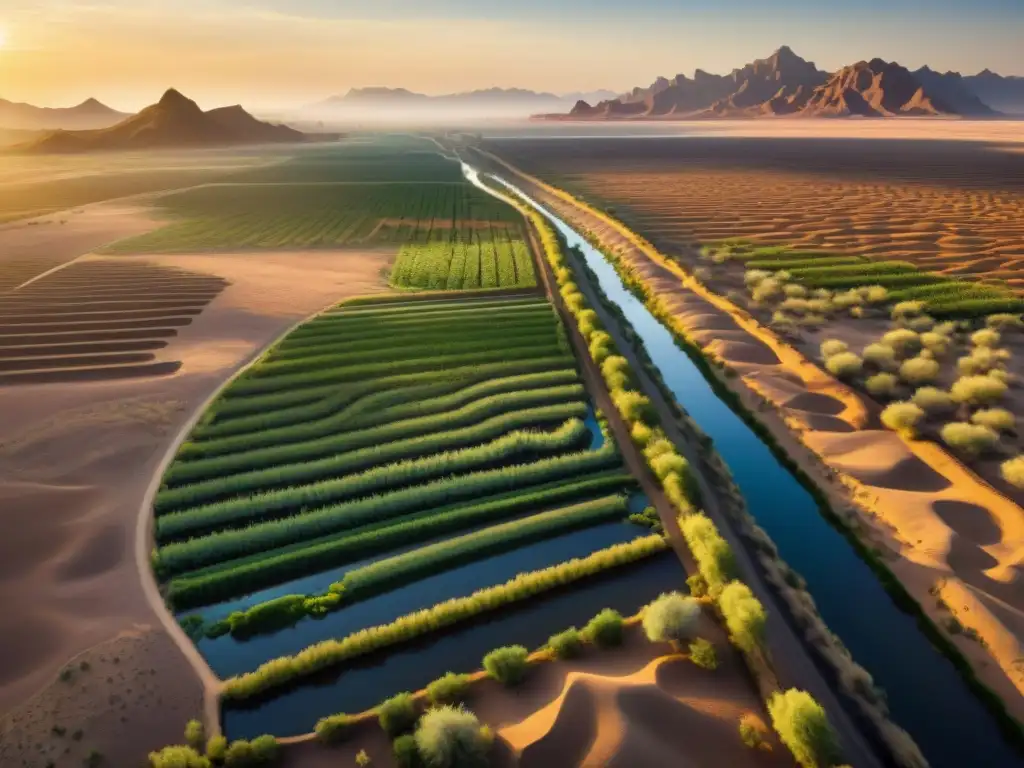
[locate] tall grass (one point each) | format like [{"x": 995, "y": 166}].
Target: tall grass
[{"x": 286, "y": 670}]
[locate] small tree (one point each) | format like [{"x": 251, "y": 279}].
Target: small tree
[
  {"x": 977, "y": 390},
  {"x": 671, "y": 618},
  {"x": 999, "y": 419},
  {"x": 397, "y": 714},
  {"x": 882, "y": 356},
  {"x": 702, "y": 653},
  {"x": 507, "y": 665},
  {"x": 844, "y": 365},
  {"x": 195, "y": 734},
  {"x": 902, "y": 417},
  {"x": 1012, "y": 471},
  {"x": 803, "y": 726},
  {"x": 934, "y": 400},
  {"x": 970, "y": 439},
  {"x": 452, "y": 737},
  {"x": 919, "y": 370},
  {"x": 605, "y": 629},
  {"x": 882, "y": 384}
]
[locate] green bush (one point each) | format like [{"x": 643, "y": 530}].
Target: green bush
[
  {"x": 178, "y": 757},
  {"x": 882, "y": 356},
  {"x": 567, "y": 644},
  {"x": 507, "y": 665},
  {"x": 986, "y": 337},
  {"x": 970, "y": 439},
  {"x": 195, "y": 734},
  {"x": 362, "y": 759},
  {"x": 450, "y": 737},
  {"x": 903, "y": 341},
  {"x": 671, "y": 618},
  {"x": 744, "y": 615},
  {"x": 844, "y": 365},
  {"x": 450, "y": 688},
  {"x": 933, "y": 400},
  {"x": 977, "y": 390},
  {"x": 903, "y": 417},
  {"x": 605, "y": 629},
  {"x": 397, "y": 714},
  {"x": 265, "y": 750},
  {"x": 407, "y": 754},
  {"x": 998, "y": 419},
  {"x": 217, "y": 748},
  {"x": 1012, "y": 471},
  {"x": 919, "y": 370},
  {"x": 633, "y": 406},
  {"x": 333, "y": 728},
  {"x": 803, "y": 726},
  {"x": 702, "y": 653},
  {"x": 882, "y": 384}
]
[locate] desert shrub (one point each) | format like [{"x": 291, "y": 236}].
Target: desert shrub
[
  {"x": 615, "y": 368},
  {"x": 794, "y": 291},
  {"x": 450, "y": 688},
  {"x": 195, "y": 734},
  {"x": 702, "y": 653},
  {"x": 980, "y": 360},
  {"x": 714, "y": 557},
  {"x": 239, "y": 754},
  {"x": 217, "y": 748},
  {"x": 903, "y": 341},
  {"x": 362, "y": 759},
  {"x": 697, "y": 585},
  {"x": 769, "y": 288},
  {"x": 882, "y": 384},
  {"x": 875, "y": 294},
  {"x": 936, "y": 343},
  {"x": 797, "y": 306},
  {"x": 845, "y": 365},
  {"x": 264, "y": 750},
  {"x": 567, "y": 644},
  {"x": 986, "y": 337},
  {"x": 672, "y": 618},
  {"x": 1000, "y": 375},
  {"x": 999, "y": 419},
  {"x": 744, "y": 615},
  {"x": 902, "y": 417},
  {"x": 507, "y": 665},
  {"x": 933, "y": 400},
  {"x": 882, "y": 356},
  {"x": 812, "y": 321},
  {"x": 397, "y": 714},
  {"x": 333, "y": 728},
  {"x": 831, "y": 347},
  {"x": 904, "y": 309},
  {"x": 605, "y": 629},
  {"x": 588, "y": 323},
  {"x": 970, "y": 439},
  {"x": 702, "y": 274},
  {"x": 977, "y": 390},
  {"x": 753, "y": 277},
  {"x": 407, "y": 754},
  {"x": 1003, "y": 321},
  {"x": 178, "y": 757},
  {"x": 452, "y": 737},
  {"x": 753, "y": 731},
  {"x": 633, "y": 406},
  {"x": 922, "y": 323},
  {"x": 919, "y": 370},
  {"x": 803, "y": 726},
  {"x": 847, "y": 300},
  {"x": 1012, "y": 471}
]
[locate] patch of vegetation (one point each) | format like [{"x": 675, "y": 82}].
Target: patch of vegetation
[{"x": 507, "y": 665}]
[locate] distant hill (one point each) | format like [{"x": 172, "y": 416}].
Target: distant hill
[
  {"x": 90, "y": 114},
  {"x": 396, "y": 103},
  {"x": 786, "y": 84},
  {"x": 175, "y": 121},
  {"x": 1005, "y": 94}
]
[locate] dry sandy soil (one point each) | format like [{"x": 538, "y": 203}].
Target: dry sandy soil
[
  {"x": 629, "y": 707},
  {"x": 950, "y": 206},
  {"x": 76, "y": 459},
  {"x": 944, "y": 528}
]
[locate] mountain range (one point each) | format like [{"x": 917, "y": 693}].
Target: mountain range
[
  {"x": 786, "y": 84},
  {"x": 90, "y": 114},
  {"x": 174, "y": 121},
  {"x": 400, "y": 102}
]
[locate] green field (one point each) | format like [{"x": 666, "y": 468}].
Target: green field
[{"x": 377, "y": 425}]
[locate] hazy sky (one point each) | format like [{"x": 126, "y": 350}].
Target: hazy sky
[{"x": 267, "y": 53}]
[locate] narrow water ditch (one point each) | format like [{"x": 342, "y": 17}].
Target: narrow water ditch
[{"x": 926, "y": 694}]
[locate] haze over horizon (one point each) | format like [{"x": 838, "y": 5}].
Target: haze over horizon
[{"x": 270, "y": 54}]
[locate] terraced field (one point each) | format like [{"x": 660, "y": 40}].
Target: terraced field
[
  {"x": 98, "y": 319},
  {"x": 377, "y": 448}
]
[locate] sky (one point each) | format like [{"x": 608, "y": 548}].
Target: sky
[{"x": 270, "y": 54}]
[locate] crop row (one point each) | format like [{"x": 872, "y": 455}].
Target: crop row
[
  {"x": 189, "y": 555},
  {"x": 353, "y": 413},
  {"x": 329, "y": 653},
  {"x": 465, "y": 264},
  {"x": 787, "y": 264},
  {"x": 374, "y": 454},
  {"x": 283, "y": 502},
  {"x": 219, "y": 466},
  {"x": 389, "y": 308},
  {"x": 867, "y": 269},
  {"x": 249, "y": 574}
]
